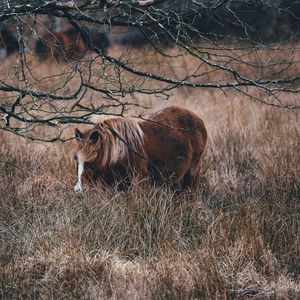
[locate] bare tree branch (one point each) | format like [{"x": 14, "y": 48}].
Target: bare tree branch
[{"x": 88, "y": 69}]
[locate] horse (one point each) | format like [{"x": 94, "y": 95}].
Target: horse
[
  {"x": 70, "y": 44},
  {"x": 167, "y": 146},
  {"x": 8, "y": 43}
]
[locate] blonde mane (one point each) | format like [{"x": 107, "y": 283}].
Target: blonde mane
[{"x": 118, "y": 137}]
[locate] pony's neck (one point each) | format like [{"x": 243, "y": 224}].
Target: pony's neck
[{"x": 124, "y": 137}]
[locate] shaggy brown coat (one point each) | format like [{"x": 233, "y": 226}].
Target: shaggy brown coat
[{"x": 168, "y": 146}]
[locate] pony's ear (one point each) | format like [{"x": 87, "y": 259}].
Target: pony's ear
[
  {"x": 94, "y": 136},
  {"x": 78, "y": 135}
]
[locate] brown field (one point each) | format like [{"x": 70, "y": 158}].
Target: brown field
[{"x": 238, "y": 236}]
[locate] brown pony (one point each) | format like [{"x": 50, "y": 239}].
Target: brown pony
[
  {"x": 167, "y": 146},
  {"x": 70, "y": 44}
]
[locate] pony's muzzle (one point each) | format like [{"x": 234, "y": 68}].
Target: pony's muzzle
[{"x": 78, "y": 190}]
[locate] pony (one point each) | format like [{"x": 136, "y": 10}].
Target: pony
[
  {"x": 167, "y": 147},
  {"x": 8, "y": 43},
  {"x": 70, "y": 44}
]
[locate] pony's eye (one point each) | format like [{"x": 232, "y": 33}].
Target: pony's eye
[{"x": 75, "y": 157}]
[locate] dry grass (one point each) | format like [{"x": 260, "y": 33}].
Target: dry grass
[{"x": 238, "y": 236}]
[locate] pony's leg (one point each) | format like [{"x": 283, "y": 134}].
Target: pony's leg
[
  {"x": 139, "y": 167},
  {"x": 181, "y": 174}
]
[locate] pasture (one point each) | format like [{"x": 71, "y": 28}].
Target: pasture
[{"x": 237, "y": 236}]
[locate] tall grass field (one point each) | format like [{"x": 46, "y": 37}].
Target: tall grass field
[{"x": 236, "y": 237}]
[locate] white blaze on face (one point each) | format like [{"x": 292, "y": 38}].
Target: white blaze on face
[{"x": 78, "y": 187}]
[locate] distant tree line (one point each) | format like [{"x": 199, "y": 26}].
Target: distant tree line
[{"x": 255, "y": 20}]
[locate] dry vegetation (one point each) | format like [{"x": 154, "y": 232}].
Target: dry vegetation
[{"x": 238, "y": 236}]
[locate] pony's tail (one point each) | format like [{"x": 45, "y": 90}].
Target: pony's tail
[{"x": 41, "y": 49}]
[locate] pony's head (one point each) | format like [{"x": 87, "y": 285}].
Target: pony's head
[
  {"x": 86, "y": 156},
  {"x": 102, "y": 148}
]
